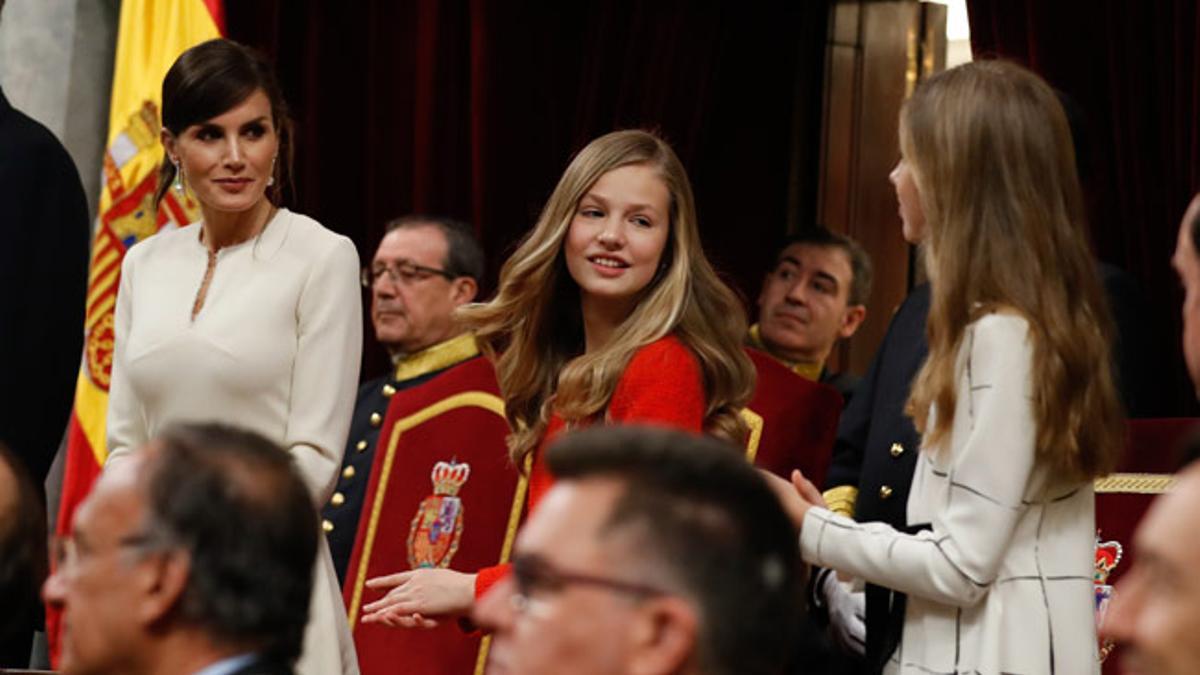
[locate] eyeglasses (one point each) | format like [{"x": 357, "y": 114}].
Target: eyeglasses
[
  {"x": 403, "y": 272},
  {"x": 65, "y": 552},
  {"x": 534, "y": 576}
]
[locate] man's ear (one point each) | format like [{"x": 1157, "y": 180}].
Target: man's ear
[
  {"x": 463, "y": 290},
  {"x": 853, "y": 318},
  {"x": 162, "y": 578},
  {"x": 663, "y": 636}
]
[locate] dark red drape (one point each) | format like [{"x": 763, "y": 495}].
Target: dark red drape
[
  {"x": 473, "y": 108},
  {"x": 1132, "y": 68}
]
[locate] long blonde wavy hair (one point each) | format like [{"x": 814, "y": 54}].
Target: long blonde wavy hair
[
  {"x": 532, "y": 329},
  {"x": 990, "y": 151}
]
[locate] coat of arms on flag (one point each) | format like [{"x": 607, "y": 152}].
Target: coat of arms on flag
[{"x": 438, "y": 524}]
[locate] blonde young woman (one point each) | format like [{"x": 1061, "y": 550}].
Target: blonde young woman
[
  {"x": 608, "y": 312},
  {"x": 1015, "y": 401}
]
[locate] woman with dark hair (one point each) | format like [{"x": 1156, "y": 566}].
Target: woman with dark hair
[{"x": 250, "y": 316}]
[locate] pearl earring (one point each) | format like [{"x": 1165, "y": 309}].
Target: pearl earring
[
  {"x": 271, "y": 178},
  {"x": 178, "y": 176}
]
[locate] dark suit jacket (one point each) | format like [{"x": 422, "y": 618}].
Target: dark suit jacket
[
  {"x": 43, "y": 277},
  {"x": 264, "y": 666}
]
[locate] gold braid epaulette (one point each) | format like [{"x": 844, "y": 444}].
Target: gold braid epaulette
[{"x": 841, "y": 499}]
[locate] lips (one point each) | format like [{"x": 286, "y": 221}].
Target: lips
[{"x": 233, "y": 184}]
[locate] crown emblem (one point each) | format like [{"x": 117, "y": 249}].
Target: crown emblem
[
  {"x": 448, "y": 477},
  {"x": 1108, "y": 556}
]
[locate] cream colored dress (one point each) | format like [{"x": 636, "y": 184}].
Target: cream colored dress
[
  {"x": 274, "y": 349},
  {"x": 1002, "y": 582}
]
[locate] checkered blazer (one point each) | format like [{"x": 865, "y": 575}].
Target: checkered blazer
[{"x": 1002, "y": 580}]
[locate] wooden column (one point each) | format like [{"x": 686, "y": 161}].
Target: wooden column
[{"x": 876, "y": 54}]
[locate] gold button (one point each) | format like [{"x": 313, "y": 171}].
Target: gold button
[
  {"x": 362, "y": 445},
  {"x": 326, "y": 525},
  {"x": 388, "y": 390},
  {"x": 337, "y": 499},
  {"x": 348, "y": 472},
  {"x": 376, "y": 419},
  {"x": 885, "y": 492},
  {"x": 897, "y": 449}
]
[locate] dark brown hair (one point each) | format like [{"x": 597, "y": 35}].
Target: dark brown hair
[{"x": 212, "y": 78}]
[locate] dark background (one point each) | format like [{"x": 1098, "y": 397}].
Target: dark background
[{"x": 472, "y": 108}]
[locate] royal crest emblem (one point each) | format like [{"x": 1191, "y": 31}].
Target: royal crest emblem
[
  {"x": 437, "y": 527},
  {"x": 1108, "y": 556}
]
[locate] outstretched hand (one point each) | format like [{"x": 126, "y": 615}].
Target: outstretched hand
[
  {"x": 797, "y": 497},
  {"x": 420, "y": 598}
]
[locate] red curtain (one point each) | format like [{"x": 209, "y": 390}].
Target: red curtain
[
  {"x": 1132, "y": 68},
  {"x": 473, "y": 108}
]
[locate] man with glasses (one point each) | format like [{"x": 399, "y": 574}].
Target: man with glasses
[
  {"x": 655, "y": 552},
  {"x": 424, "y": 269},
  {"x": 193, "y": 556},
  {"x": 426, "y": 481}
]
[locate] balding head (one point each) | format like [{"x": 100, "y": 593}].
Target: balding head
[
  {"x": 1186, "y": 262},
  {"x": 207, "y": 535}
]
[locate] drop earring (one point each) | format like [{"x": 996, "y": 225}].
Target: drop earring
[
  {"x": 271, "y": 178},
  {"x": 178, "y": 177}
]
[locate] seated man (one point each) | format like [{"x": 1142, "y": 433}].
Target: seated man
[
  {"x": 22, "y": 558},
  {"x": 194, "y": 556},
  {"x": 424, "y": 269},
  {"x": 815, "y": 296},
  {"x": 655, "y": 552}
]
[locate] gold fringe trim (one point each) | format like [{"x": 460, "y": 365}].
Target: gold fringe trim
[{"x": 1135, "y": 483}]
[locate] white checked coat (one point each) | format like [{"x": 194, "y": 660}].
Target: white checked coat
[{"x": 1002, "y": 582}]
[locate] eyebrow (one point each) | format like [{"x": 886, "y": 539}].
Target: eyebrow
[{"x": 632, "y": 207}]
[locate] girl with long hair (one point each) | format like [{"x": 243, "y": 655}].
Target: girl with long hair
[
  {"x": 607, "y": 313},
  {"x": 1015, "y": 402}
]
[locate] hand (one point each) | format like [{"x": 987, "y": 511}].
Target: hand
[
  {"x": 847, "y": 614},
  {"x": 420, "y": 598},
  {"x": 797, "y": 497}
]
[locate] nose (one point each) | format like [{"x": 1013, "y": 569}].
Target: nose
[
  {"x": 54, "y": 589},
  {"x": 1122, "y": 612},
  {"x": 234, "y": 153},
  {"x": 894, "y": 176},
  {"x": 612, "y": 233},
  {"x": 494, "y": 611}
]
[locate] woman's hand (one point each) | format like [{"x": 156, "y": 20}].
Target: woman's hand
[
  {"x": 797, "y": 497},
  {"x": 420, "y": 598}
]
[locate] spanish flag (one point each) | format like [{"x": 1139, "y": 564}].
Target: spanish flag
[{"x": 151, "y": 35}]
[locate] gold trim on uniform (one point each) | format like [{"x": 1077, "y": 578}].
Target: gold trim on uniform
[
  {"x": 348, "y": 472},
  {"x": 337, "y": 499},
  {"x": 388, "y": 390},
  {"x": 376, "y": 419},
  {"x": 841, "y": 499},
  {"x": 1135, "y": 483},
  {"x": 439, "y": 356},
  {"x": 755, "y": 422},
  {"x": 361, "y": 445},
  {"x": 897, "y": 449},
  {"x": 478, "y": 399},
  {"x": 326, "y": 525}
]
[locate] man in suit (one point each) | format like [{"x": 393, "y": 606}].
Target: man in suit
[
  {"x": 43, "y": 283},
  {"x": 655, "y": 552},
  {"x": 424, "y": 269},
  {"x": 195, "y": 556},
  {"x": 1156, "y": 605},
  {"x": 815, "y": 295}
]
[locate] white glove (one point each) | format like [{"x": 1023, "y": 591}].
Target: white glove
[{"x": 847, "y": 614}]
